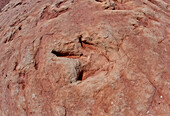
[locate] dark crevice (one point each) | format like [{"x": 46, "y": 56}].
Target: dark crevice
[
  {"x": 19, "y": 28},
  {"x": 80, "y": 76},
  {"x": 17, "y": 4},
  {"x": 98, "y": 0},
  {"x": 61, "y": 54},
  {"x": 81, "y": 54},
  {"x": 111, "y": 8},
  {"x": 66, "y": 54},
  {"x": 86, "y": 42},
  {"x": 43, "y": 11},
  {"x": 15, "y": 67},
  {"x": 8, "y": 86},
  {"x": 36, "y": 65},
  {"x": 80, "y": 40},
  {"x": 60, "y": 3},
  {"x": 36, "y": 56},
  {"x": 159, "y": 42}
]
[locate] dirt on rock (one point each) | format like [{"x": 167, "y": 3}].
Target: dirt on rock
[{"x": 85, "y": 58}]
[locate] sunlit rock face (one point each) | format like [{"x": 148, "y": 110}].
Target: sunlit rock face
[{"x": 85, "y": 58}]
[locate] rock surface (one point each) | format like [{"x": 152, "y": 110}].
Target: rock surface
[
  {"x": 85, "y": 58},
  {"x": 3, "y": 3}
]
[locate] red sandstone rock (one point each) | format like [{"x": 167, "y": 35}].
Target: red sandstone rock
[
  {"x": 3, "y": 3},
  {"x": 85, "y": 58}
]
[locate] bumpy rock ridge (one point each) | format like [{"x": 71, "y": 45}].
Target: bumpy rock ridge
[{"x": 85, "y": 58}]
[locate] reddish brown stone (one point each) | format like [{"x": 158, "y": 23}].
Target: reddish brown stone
[
  {"x": 3, "y": 3},
  {"x": 85, "y": 58}
]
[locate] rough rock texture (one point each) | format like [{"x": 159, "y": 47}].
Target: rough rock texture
[
  {"x": 85, "y": 58},
  {"x": 3, "y": 3}
]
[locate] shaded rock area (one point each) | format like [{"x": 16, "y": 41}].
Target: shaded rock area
[
  {"x": 85, "y": 58},
  {"x": 3, "y": 3}
]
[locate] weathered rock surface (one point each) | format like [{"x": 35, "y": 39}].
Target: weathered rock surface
[
  {"x": 3, "y": 3},
  {"x": 85, "y": 58}
]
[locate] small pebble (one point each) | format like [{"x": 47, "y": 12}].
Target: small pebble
[
  {"x": 33, "y": 95},
  {"x": 147, "y": 112}
]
